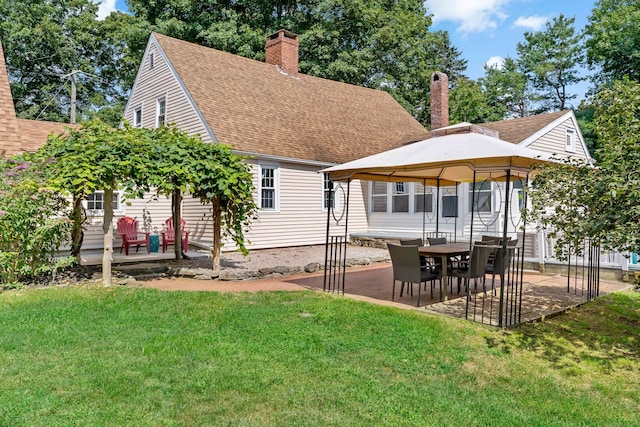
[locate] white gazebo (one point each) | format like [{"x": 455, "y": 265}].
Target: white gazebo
[{"x": 454, "y": 154}]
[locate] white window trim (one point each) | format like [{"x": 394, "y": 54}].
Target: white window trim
[
  {"x": 158, "y": 101},
  {"x": 117, "y": 196},
  {"x": 135, "y": 114},
  {"x": 276, "y": 177},
  {"x": 336, "y": 200},
  {"x": 570, "y": 134}
]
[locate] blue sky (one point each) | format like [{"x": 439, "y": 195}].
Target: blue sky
[{"x": 486, "y": 30}]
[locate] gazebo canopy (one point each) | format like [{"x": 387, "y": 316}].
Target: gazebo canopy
[{"x": 452, "y": 155}]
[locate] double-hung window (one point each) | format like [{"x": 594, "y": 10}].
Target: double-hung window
[
  {"x": 268, "y": 187},
  {"x": 482, "y": 202},
  {"x": 378, "y": 196},
  {"x": 422, "y": 198},
  {"x": 161, "y": 108},
  {"x": 95, "y": 202},
  {"x": 400, "y": 197},
  {"x": 327, "y": 190}
]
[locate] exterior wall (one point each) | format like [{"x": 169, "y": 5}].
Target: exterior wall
[
  {"x": 554, "y": 141},
  {"x": 300, "y": 219},
  {"x": 154, "y": 83}
]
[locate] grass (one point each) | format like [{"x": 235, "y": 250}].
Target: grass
[{"x": 140, "y": 357}]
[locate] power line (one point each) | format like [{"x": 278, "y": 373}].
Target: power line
[{"x": 50, "y": 100}]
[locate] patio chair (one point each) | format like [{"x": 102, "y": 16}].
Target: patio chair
[
  {"x": 500, "y": 265},
  {"x": 474, "y": 268},
  {"x": 407, "y": 269},
  {"x": 128, "y": 231},
  {"x": 169, "y": 235},
  {"x": 416, "y": 242}
]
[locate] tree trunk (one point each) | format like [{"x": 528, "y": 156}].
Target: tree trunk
[
  {"x": 77, "y": 235},
  {"x": 217, "y": 211},
  {"x": 176, "y": 202},
  {"x": 107, "y": 228}
]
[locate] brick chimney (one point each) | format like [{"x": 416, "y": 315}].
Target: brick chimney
[
  {"x": 282, "y": 50},
  {"x": 439, "y": 100}
]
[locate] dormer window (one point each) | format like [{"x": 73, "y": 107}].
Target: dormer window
[{"x": 570, "y": 140}]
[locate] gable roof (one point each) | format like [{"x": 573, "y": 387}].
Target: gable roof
[
  {"x": 259, "y": 110},
  {"x": 519, "y": 129},
  {"x": 19, "y": 135}
]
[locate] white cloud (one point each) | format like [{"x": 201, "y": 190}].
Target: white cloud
[
  {"x": 534, "y": 22},
  {"x": 473, "y": 15},
  {"x": 105, "y": 8},
  {"x": 496, "y": 62}
]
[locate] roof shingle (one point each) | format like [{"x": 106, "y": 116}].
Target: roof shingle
[
  {"x": 518, "y": 129},
  {"x": 258, "y": 109}
]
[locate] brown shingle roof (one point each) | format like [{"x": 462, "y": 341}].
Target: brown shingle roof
[
  {"x": 10, "y": 141},
  {"x": 519, "y": 129},
  {"x": 19, "y": 135},
  {"x": 34, "y": 133},
  {"x": 256, "y": 108}
]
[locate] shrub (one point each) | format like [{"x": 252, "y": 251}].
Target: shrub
[{"x": 33, "y": 223}]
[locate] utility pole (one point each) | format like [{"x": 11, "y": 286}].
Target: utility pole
[{"x": 72, "y": 112}]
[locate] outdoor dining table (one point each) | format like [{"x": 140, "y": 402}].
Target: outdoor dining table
[{"x": 444, "y": 252}]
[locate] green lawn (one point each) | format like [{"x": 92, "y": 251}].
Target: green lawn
[{"x": 140, "y": 357}]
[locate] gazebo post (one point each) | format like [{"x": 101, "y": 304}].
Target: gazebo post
[
  {"x": 424, "y": 209},
  {"x": 326, "y": 242},
  {"x": 346, "y": 236},
  {"x": 504, "y": 245},
  {"x": 438, "y": 207},
  {"x": 455, "y": 221},
  {"x": 473, "y": 201}
]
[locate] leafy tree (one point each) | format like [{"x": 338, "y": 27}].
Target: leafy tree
[
  {"x": 508, "y": 90},
  {"x": 32, "y": 224},
  {"x": 467, "y": 103},
  {"x": 225, "y": 181},
  {"x": 178, "y": 163},
  {"x": 95, "y": 156},
  {"x": 46, "y": 40},
  {"x": 170, "y": 163},
  {"x": 584, "y": 114},
  {"x": 550, "y": 58},
  {"x": 575, "y": 200},
  {"x": 613, "y": 40}
]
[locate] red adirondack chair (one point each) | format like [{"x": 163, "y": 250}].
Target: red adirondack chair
[
  {"x": 128, "y": 231},
  {"x": 169, "y": 236}
]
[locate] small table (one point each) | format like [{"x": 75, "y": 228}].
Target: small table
[{"x": 444, "y": 252}]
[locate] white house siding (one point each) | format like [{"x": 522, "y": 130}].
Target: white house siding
[
  {"x": 150, "y": 214},
  {"x": 554, "y": 141},
  {"x": 300, "y": 219},
  {"x": 159, "y": 81}
]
